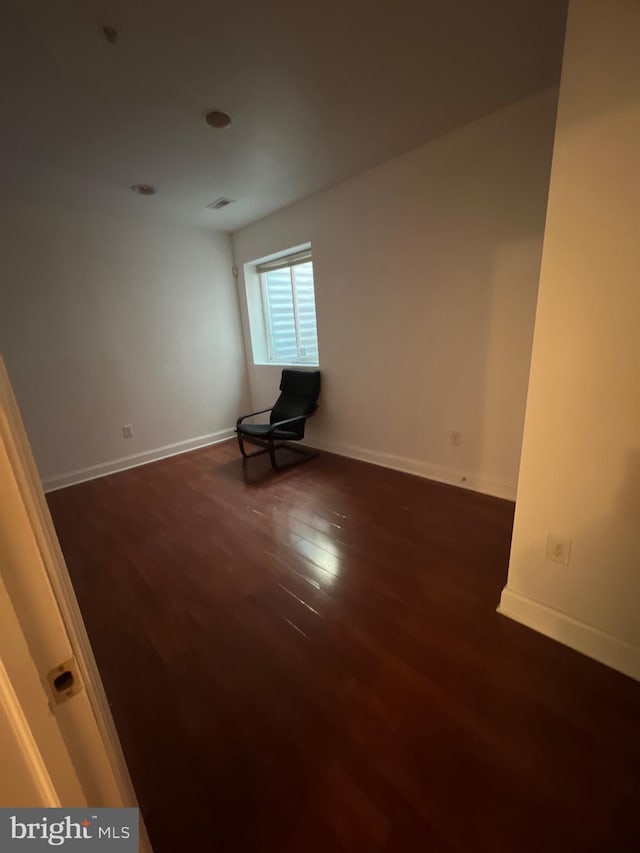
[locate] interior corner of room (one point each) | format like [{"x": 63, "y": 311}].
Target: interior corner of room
[{"x": 456, "y": 252}]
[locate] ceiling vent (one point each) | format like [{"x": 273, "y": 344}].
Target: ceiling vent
[{"x": 219, "y": 203}]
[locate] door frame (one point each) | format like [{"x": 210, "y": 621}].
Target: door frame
[{"x": 51, "y": 577}]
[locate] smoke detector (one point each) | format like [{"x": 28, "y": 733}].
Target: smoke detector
[
  {"x": 110, "y": 34},
  {"x": 219, "y": 203}
]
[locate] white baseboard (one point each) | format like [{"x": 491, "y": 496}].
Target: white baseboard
[
  {"x": 580, "y": 636},
  {"x": 420, "y": 469},
  {"x": 386, "y": 460},
  {"x": 50, "y": 484}
]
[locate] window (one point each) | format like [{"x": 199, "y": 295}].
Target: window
[{"x": 289, "y": 309}]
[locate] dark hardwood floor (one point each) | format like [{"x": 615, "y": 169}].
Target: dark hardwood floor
[{"x": 311, "y": 661}]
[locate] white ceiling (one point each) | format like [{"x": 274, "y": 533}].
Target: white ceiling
[{"x": 318, "y": 91}]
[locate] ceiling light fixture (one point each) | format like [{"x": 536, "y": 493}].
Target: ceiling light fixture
[
  {"x": 143, "y": 189},
  {"x": 217, "y": 119}
]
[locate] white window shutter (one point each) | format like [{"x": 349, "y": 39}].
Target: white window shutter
[
  {"x": 291, "y": 314},
  {"x": 306, "y": 312},
  {"x": 281, "y": 316}
]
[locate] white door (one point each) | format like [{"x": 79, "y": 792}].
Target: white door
[{"x": 66, "y": 752}]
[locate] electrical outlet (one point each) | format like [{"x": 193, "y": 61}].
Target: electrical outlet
[
  {"x": 127, "y": 431},
  {"x": 455, "y": 438},
  {"x": 558, "y": 549}
]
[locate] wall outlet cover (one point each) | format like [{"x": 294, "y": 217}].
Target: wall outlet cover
[{"x": 558, "y": 549}]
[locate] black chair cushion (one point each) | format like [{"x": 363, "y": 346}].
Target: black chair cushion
[
  {"x": 301, "y": 383},
  {"x": 262, "y": 430},
  {"x": 299, "y": 392}
]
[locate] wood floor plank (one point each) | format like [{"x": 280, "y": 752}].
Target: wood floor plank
[{"x": 312, "y": 660}]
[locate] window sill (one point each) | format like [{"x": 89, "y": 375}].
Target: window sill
[{"x": 285, "y": 364}]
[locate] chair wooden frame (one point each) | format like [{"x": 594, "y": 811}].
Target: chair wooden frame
[{"x": 271, "y": 443}]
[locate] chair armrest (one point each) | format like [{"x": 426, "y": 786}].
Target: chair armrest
[
  {"x": 251, "y": 414},
  {"x": 278, "y": 424}
]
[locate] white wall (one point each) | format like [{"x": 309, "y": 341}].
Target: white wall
[
  {"x": 580, "y": 472},
  {"x": 426, "y": 273},
  {"x": 108, "y": 320}
]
